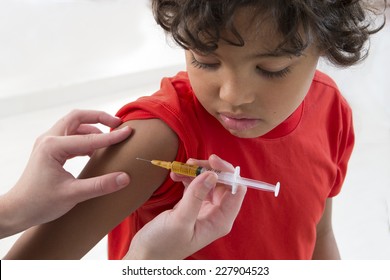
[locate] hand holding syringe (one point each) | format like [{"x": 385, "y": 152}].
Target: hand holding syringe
[{"x": 227, "y": 178}]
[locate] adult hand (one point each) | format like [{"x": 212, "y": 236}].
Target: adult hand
[
  {"x": 46, "y": 190},
  {"x": 205, "y": 213}
]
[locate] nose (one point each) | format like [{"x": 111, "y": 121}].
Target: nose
[{"x": 236, "y": 91}]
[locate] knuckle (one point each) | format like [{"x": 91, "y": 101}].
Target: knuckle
[
  {"x": 74, "y": 114},
  {"x": 39, "y": 140},
  {"x": 91, "y": 140},
  {"x": 44, "y": 146},
  {"x": 46, "y": 142},
  {"x": 98, "y": 186},
  {"x": 69, "y": 121}
]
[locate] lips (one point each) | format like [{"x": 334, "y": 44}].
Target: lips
[{"x": 238, "y": 123}]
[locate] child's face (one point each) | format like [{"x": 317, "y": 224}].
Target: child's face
[{"x": 249, "y": 89}]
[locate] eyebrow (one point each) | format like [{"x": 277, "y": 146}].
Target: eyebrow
[
  {"x": 265, "y": 54},
  {"x": 273, "y": 53}
]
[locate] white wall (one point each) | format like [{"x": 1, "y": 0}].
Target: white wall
[{"x": 50, "y": 48}]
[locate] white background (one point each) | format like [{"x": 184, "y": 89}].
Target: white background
[{"x": 59, "y": 55}]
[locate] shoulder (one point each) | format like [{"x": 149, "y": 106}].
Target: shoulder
[
  {"x": 324, "y": 87},
  {"x": 174, "y": 105},
  {"x": 325, "y": 92},
  {"x": 324, "y": 80},
  {"x": 174, "y": 96}
]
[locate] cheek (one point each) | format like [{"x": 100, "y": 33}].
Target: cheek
[
  {"x": 205, "y": 89},
  {"x": 294, "y": 89},
  {"x": 282, "y": 99}
]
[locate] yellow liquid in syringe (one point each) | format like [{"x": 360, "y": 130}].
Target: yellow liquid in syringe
[{"x": 178, "y": 167}]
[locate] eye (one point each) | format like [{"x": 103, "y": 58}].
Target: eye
[
  {"x": 274, "y": 74},
  {"x": 202, "y": 65}
]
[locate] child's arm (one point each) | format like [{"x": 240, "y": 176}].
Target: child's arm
[
  {"x": 326, "y": 246},
  {"x": 73, "y": 235}
]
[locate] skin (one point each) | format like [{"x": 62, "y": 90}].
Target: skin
[
  {"x": 278, "y": 84},
  {"x": 55, "y": 191},
  {"x": 326, "y": 246}
]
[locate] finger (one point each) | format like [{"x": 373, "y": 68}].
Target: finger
[
  {"x": 85, "y": 144},
  {"x": 189, "y": 206},
  {"x": 181, "y": 178},
  {"x": 83, "y": 189},
  {"x": 230, "y": 204},
  {"x": 198, "y": 162},
  {"x": 87, "y": 129},
  {"x": 69, "y": 124},
  {"x": 214, "y": 162},
  {"x": 219, "y": 164}
]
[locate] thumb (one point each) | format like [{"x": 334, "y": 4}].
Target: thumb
[{"x": 84, "y": 189}]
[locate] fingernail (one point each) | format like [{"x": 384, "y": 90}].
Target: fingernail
[
  {"x": 118, "y": 130},
  {"x": 125, "y": 128},
  {"x": 122, "y": 130},
  {"x": 122, "y": 180},
  {"x": 210, "y": 180},
  {"x": 215, "y": 157},
  {"x": 224, "y": 162}
]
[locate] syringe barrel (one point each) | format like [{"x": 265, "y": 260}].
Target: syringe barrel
[
  {"x": 225, "y": 178},
  {"x": 185, "y": 169},
  {"x": 228, "y": 179}
]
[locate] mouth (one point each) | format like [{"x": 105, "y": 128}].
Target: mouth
[{"x": 238, "y": 123}]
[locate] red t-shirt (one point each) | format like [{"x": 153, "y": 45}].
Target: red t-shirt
[{"x": 308, "y": 153}]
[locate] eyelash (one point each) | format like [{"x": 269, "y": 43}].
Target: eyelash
[
  {"x": 267, "y": 74},
  {"x": 200, "y": 65},
  {"x": 272, "y": 75}
]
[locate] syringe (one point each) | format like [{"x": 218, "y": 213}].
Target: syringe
[{"x": 231, "y": 179}]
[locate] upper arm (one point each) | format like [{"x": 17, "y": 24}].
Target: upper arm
[
  {"x": 74, "y": 234},
  {"x": 326, "y": 246}
]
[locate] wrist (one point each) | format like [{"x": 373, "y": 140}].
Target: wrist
[
  {"x": 135, "y": 254},
  {"x": 11, "y": 216},
  {"x": 7, "y": 221}
]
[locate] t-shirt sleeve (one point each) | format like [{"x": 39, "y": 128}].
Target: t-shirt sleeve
[{"x": 346, "y": 144}]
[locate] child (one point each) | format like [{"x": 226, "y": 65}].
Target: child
[{"x": 251, "y": 95}]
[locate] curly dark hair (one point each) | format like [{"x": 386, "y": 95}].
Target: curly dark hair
[{"x": 340, "y": 28}]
